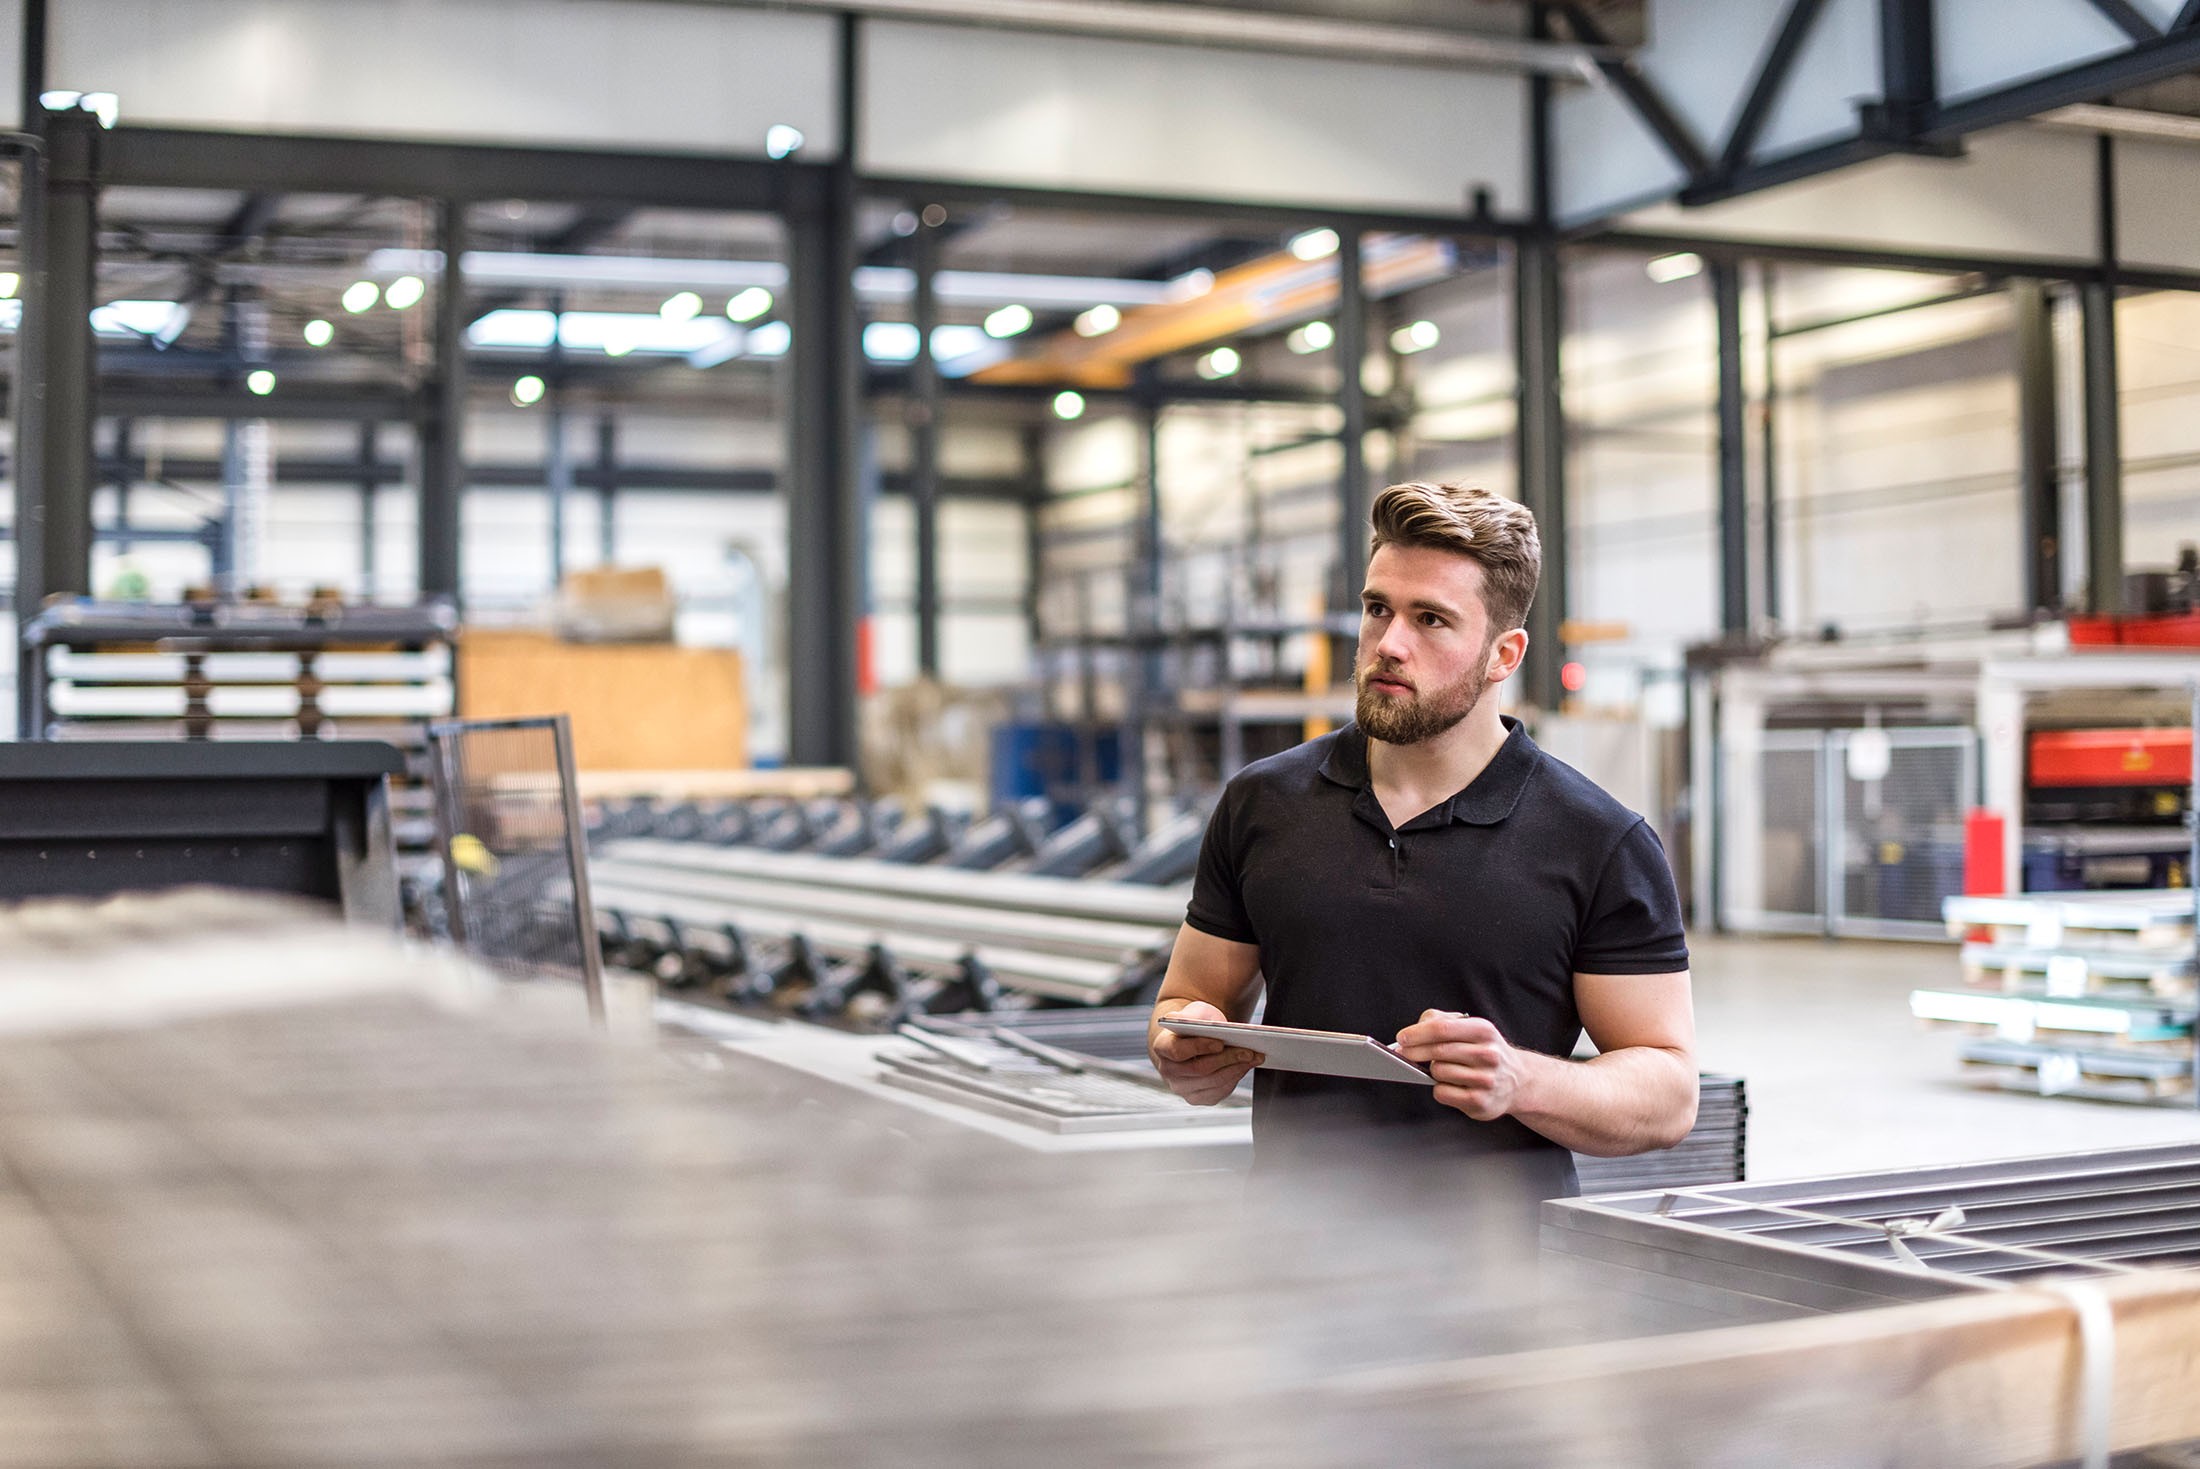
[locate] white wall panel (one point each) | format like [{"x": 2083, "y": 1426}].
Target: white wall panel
[
  {"x": 1606, "y": 160},
  {"x": 1985, "y": 45},
  {"x": 2019, "y": 192},
  {"x": 593, "y": 73},
  {"x": 1703, "y": 54},
  {"x": 2156, "y": 183},
  {"x": 11, "y": 63},
  {"x": 1076, "y": 113}
]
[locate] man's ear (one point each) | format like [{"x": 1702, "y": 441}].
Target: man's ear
[{"x": 1506, "y": 653}]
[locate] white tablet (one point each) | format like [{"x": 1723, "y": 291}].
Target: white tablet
[{"x": 1323, "y": 1052}]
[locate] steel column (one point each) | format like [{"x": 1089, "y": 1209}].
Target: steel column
[
  {"x": 370, "y": 491},
  {"x": 1768, "y": 428},
  {"x": 1540, "y": 440},
  {"x": 1142, "y": 680},
  {"x": 825, "y": 587},
  {"x": 443, "y": 430},
  {"x": 2038, "y": 449},
  {"x": 1352, "y": 488},
  {"x": 924, "y": 451},
  {"x": 1726, "y": 301},
  {"x": 607, "y": 485},
  {"x": 1908, "y": 76},
  {"x": 2104, "y": 469},
  {"x": 1035, "y": 471},
  {"x": 558, "y": 482}
]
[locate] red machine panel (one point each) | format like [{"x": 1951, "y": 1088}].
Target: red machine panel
[{"x": 2111, "y": 757}]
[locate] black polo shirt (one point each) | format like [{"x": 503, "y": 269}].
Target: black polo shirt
[{"x": 1488, "y": 903}]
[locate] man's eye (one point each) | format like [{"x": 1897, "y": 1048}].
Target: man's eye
[{"x": 1430, "y": 619}]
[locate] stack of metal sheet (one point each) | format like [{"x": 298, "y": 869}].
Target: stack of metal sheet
[{"x": 1763, "y": 1251}]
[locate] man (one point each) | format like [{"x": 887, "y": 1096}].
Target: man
[{"x": 1427, "y": 873}]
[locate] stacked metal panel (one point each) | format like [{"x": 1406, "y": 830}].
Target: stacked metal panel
[{"x": 1764, "y": 1251}]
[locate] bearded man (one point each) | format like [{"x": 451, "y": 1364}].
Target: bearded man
[{"x": 1428, "y": 874}]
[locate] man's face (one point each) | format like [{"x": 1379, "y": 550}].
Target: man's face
[{"x": 1426, "y": 646}]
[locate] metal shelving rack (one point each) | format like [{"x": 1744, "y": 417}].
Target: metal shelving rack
[{"x": 2126, "y": 985}]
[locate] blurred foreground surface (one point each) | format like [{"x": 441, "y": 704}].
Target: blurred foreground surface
[{"x": 273, "y": 1192}]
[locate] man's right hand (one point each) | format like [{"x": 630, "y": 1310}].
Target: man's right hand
[{"x": 1198, "y": 1068}]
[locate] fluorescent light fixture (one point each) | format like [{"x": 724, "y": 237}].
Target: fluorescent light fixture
[
  {"x": 683, "y": 306},
  {"x": 749, "y": 304},
  {"x": 11, "y": 315},
  {"x": 260, "y": 382},
  {"x": 615, "y": 333},
  {"x": 781, "y": 141},
  {"x": 890, "y": 341},
  {"x": 1221, "y": 362},
  {"x": 163, "y": 321},
  {"x": 962, "y": 350},
  {"x": 1665, "y": 269},
  {"x": 1011, "y": 320},
  {"x": 527, "y": 391},
  {"x": 1315, "y": 244},
  {"x": 404, "y": 292},
  {"x": 1069, "y": 405},
  {"x": 360, "y": 296},
  {"x": 1099, "y": 321},
  {"x": 60, "y": 101},
  {"x": 1315, "y": 336},
  {"x": 10, "y": 283},
  {"x": 771, "y": 339},
  {"x": 1191, "y": 285},
  {"x": 1417, "y": 336},
  {"x": 103, "y": 105},
  {"x": 319, "y": 333},
  {"x": 725, "y": 349}
]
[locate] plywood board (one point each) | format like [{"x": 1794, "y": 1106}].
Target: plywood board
[{"x": 634, "y": 706}]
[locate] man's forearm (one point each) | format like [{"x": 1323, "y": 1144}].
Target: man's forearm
[{"x": 1622, "y": 1102}]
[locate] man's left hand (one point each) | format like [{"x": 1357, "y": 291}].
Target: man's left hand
[{"x": 1477, "y": 1071}]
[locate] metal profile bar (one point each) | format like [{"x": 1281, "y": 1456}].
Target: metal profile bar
[
  {"x": 1768, "y": 430},
  {"x": 924, "y": 451},
  {"x": 1772, "y": 76},
  {"x": 1641, "y": 94},
  {"x": 1352, "y": 483},
  {"x": 442, "y": 459},
  {"x": 2128, "y": 18}
]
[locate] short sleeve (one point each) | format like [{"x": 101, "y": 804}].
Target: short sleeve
[
  {"x": 1217, "y": 906},
  {"x": 1634, "y": 920}
]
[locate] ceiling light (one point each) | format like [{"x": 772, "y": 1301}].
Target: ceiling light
[
  {"x": 360, "y": 296},
  {"x": 749, "y": 304},
  {"x": 527, "y": 391},
  {"x": 1315, "y": 244},
  {"x": 163, "y": 321},
  {"x": 1191, "y": 284},
  {"x": 10, "y": 283},
  {"x": 1665, "y": 269},
  {"x": 890, "y": 341},
  {"x": 685, "y": 306},
  {"x": 1221, "y": 362},
  {"x": 319, "y": 333},
  {"x": 260, "y": 381},
  {"x": 1099, "y": 321},
  {"x": 103, "y": 105},
  {"x": 771, "y": 339},
  {"x": 60, "y": 101},
  {"x": 1069, "y": 405},
  {"x": 404, "y": 292},
  {"x": 1009, "y": 321},
  {"x": 1315, "y": 336},
  {"x": 903, "y": 224},
  {"x": 952, "y": 344},
  {"x": 781, "y": 141},
  {"x": 1417, "y": 337}
]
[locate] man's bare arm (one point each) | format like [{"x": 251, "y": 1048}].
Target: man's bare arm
[
  {"x": 1209, "y": 978},
  {"x": 1639, "y": 1093}
]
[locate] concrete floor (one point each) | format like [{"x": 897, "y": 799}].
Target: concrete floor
[{"x": 1842, "y": 1080}]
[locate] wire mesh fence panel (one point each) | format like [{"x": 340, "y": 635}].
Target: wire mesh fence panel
[
  {"x": 1772, "y": 823},
  {"x": 514, "y": 856},
  {"x": 1901, "y": 834}
]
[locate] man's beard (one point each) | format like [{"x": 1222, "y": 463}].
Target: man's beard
[{"x": 1421, "y": 717}]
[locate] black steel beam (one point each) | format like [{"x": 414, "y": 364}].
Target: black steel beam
[
  {"x": 923, "y": 419},
  {"x": 186, "y": 158},
  {"x": 2038, "y": 450},
  {"x": 1350, "y": 349},
  {"x": 825, "y": 585},
  {"x": 1908, "y": 80},
  {"x": 2104, "y": 463},
  {"x": 1807, "y": 164},
  {"x": 2188, "y": 16},
  {"x": 369, "y": 470},
  {"x": 2141, "y": 65},
  {"x": 295, "y": 402},
  {"x": 607, "y": 485},
  {"x": 1726, "y": 303},
  {"x": 1768, "y": 429},
  {"x": 1649, "y": 103},
  {"x": 2129, "y": 19},
  {"x": 443, "y": 432},
  {"x": 1764, "y": 91},
  {"x": 1926, "y": 261}
]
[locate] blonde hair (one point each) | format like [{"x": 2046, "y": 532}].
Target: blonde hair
[{"x": 1497, "y": 534}]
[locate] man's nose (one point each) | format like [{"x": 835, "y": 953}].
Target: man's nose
[{"x": 1394, "y": 644}]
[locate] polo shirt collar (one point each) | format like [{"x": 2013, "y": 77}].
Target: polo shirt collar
[{"x": 1487, "y": 800}]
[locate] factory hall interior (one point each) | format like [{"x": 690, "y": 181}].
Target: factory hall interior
[{"x": 1100, "y": 732}]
